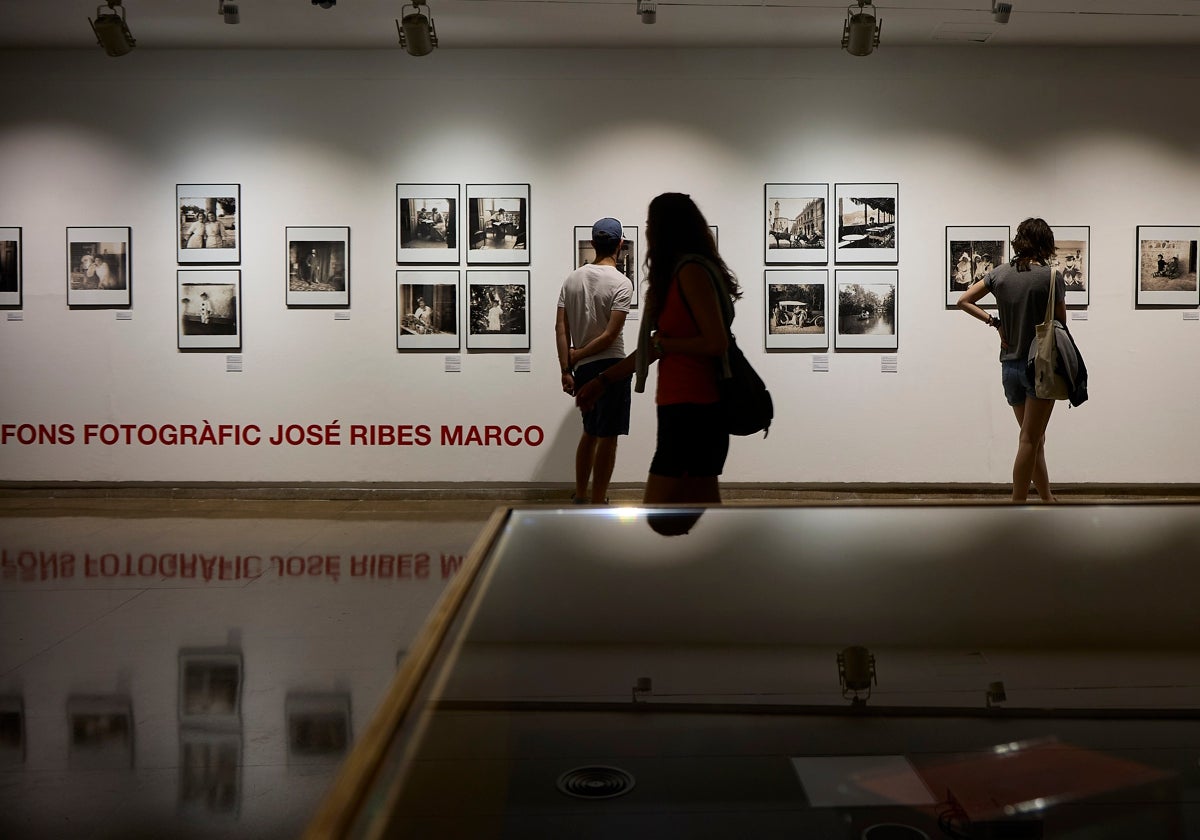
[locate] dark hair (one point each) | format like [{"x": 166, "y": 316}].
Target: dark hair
[
  {"x": 605, "y": 247},
  {"x": 1034, "y": 242},
  {"x": 675, "y": 228}
]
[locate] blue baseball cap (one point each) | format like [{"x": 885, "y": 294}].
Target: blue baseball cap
[{"x": 607, "y": 228}]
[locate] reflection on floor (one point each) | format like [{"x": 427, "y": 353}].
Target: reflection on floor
[{"x": 199, "y": 667}]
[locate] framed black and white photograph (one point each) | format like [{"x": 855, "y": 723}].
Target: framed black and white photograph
[
  {"x": 796, "y": 302},
  {"x": 498, "y": 224},
  {"x": 796, "y": 226},
  {"x": 318, "y": 726},
  {"x": 627, "y": 258},
  {"x": 865, "y": 223},
  {"x": 866, "y": 309},
  {"x": 209, "y": 223},
  {"x": 971, "y": 252},
  {"x": 497, "y": 310},
  {"x": 1166, "y": 269},
  {"x": 210, "y": 309},
  {"x": 101, "y": 729},
  {"x": 427, "y": 224},
  {"x": 10, "y": 268},
  {"x": 1071, "y": 245},
  {"x": 318, "y": 266},
  {"x": 98, "y": 266},
  {"x": 427, "y": 309}
]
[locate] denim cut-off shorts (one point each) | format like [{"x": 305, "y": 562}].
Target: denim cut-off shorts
[{"x": 1014, "y": 373}]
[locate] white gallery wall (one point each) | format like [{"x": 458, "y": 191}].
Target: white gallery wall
[{"x": 973, "y": 136}]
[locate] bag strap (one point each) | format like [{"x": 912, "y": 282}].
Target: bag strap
[
  {"x": 722, "y": 299},
  {"x": 1050, "y": 300}
]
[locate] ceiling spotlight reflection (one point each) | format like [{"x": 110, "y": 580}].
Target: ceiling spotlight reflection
[
  {"x": 856, "y": 673},
  {"x": 416, "y": 30},
  {"x": 860, "y": 35},
  {"x": 112, "y": 32}
]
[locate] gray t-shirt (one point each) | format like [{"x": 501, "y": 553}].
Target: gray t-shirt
[
  {"x": 590, "y": 294},
  {"x": 1021, "y": 301}
]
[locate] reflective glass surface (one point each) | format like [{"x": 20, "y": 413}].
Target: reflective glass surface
[
  {"x": 865, "y": 672},
  {"x": 198, "y": 676}
]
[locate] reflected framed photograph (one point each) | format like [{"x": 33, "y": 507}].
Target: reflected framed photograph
[
  {"x": 210, "y": 687},
  {"x": 795, "y": 308},
  {"x": 318, "y": 727},
  {"x": 866, "y": 309},
  {"x": 1071, "y": 244},
  {"x": 498, "y": 310},
  {"x": 427, "y": 310},
  {"x": 12, "y": 730},
  {"x": 498, "y": 224},
  {"x": 10, "y": 268},
  {"x": 427, "y": 224},
  {"x": 210, "y": 309},
  {"x": 318, "y": 266},
  {"x": 866, "y": 223},
  {"x": 101, "y": 730},
  {"x": 98, "y": 267},
  {"x": 796, "y": 226},
  {"x": 971, "y": 252},
  {"x": 210, "y": 772},
  {"x": 1166, "y": 269},
  {"x": 209, "y": 223},
  {"x": 627, "y": 257}
]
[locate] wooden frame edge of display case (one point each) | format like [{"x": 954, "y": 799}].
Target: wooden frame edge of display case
[{"x": 360, "y": 772}]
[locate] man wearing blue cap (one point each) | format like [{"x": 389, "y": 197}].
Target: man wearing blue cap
[{"x": 592, "y": 306}]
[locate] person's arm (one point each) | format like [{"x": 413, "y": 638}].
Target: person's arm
[
  {"x": 700, "y": 293},
  {"x": 562, "y": 340},
  {"x": 616, "y": 323},
  {"x": 622, "y": 370},
  {"x": 968, "y": 302}
]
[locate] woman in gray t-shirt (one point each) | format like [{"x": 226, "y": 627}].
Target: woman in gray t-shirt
[{"x": 1021, "y": 289}]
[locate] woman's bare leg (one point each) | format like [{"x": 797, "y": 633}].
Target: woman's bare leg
[{"x": 1030, "y": 462}]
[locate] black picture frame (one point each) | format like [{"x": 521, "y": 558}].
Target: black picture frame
[
  {"x": 971, "y": 252},
  {"x": 867, "y": 309},
  {"x": 317, "y": 267},
  {"x": 797, "y": 224},
  {"x": 208, "y": 224},
  {"x": 497, "y": 304},
  {"x": 428, "y": 224},
  {"x": 497, "y": 224},
  {"x": 209, "y": 302},
  {"x": 428, "y": 309},
  {"x": 796, "y": 309},
  {"x": 866, "y": 223},
  {"x": 11, "y": 275},
  {"x": 99, "y": 267}
]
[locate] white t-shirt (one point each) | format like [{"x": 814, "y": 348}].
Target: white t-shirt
[{"x": 589, "y": 295}]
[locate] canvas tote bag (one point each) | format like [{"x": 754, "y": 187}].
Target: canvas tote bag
[{"x": 1048, "y": 383}]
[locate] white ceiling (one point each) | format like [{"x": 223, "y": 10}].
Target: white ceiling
[{"x": 368, "y": 24}]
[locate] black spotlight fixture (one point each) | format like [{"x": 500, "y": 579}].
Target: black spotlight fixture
[
  {"x": 860, "y": 35},
  {"x": 325, "y": 4},
  {"x": 112, "y": 32},
  {"x": 229, "y": 10},
  {"x": 647, "y": 10},
  {"x": 1001, "y": 12},
  {"x": 417, "y": 33}
]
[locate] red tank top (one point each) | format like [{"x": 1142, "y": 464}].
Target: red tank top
[{"x": 682, "y": 377}]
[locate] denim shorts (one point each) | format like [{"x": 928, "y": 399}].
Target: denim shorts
[{"x": 1015, "y": 376}]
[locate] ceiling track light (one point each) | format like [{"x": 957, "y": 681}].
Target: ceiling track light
[
  {"x": 856, "y": 672},
  {"x": 416, "y": 30},
  {"x": 230, "y": 10},
  {"x": 860, "y": 35},
  {"x": 112, "y": 32},
  {"x": 647, "y": 10},
  {"x": 1001, "y": 12},
  {"x": 325, "y": 4}
]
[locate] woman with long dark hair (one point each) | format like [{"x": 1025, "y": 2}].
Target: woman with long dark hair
[
  {"x": 1022, "y": 288},
  {"x": 685, "y": 327}
]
